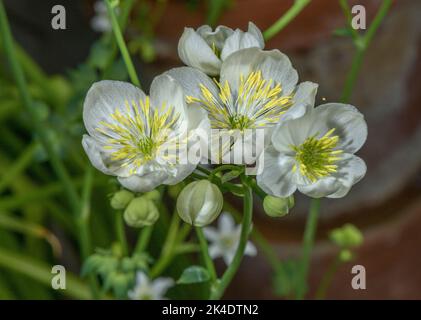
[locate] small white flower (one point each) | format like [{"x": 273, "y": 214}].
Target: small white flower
[
  {"x": 256, "y": 90},
  {"x": 224, "y": 241},
  {"x": 100, "y": 21},
  {"x": 145, "y": 289},
  {"x": 315, "y": 153},
  {"x": 129, "y": 132},
  {"x": 205, "y": 49}
]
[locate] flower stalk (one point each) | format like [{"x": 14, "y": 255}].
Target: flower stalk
[
  {"x": 205, "y": 254},
  {"x": 245, "y": 232},
  {"x": 283, "y": 21},
  {"x": 122, "y": 45},
  {"x": 309, "y": 235}
]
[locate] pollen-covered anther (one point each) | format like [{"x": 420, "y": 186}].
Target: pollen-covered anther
[
  {"x": 256, "y": 103},
  {"x": 316, "y": 157},
  {"x": 135, "y": 136}
]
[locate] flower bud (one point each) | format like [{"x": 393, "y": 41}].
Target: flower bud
[
  {"x": 141, "y": 212},
  {"x": 345, "y": 255},
  {"x": 121, "y": 199},
  {"x": 348, "y": 236},
  {"x": 200, "y": 203},
  {"x": 277, "y": 207},
  {"x": 153, "y": 195}
]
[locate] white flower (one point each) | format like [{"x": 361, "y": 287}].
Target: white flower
[
  {"x": 129, "y": 132},
  {"x": 205, "y": 49},
  {"x": 145, "y": 289},
  {"x": 257, "y": 89},
  {"x": 314, "y": 153},
  {"x": 224, "y": 241},
  {"x": 100, "y": 21}
]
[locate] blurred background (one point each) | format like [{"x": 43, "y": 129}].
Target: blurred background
[{"x": 62, "y": 64}]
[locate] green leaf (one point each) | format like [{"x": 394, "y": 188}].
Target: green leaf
[
  {"x": 342, "y": 32},
  {"x": 194, "y": 274}
]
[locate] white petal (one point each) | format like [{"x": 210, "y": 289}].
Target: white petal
[
  {"x": 273, "y": 64},
  {"x": 226, "y": 223},
  {"x": 321, "y": 188},
  {"x": 216, "y": 37},
  {"x": 350, "y": 170},
  {"x": 228, "y": 257},
  {"x": 349, "y": 174},
  {"x": 237, "y": 41},
  {"x": 160, "y": 286},
  {"x": 181, "y": 173},
  {"x": 195, "y": 52},
  {"x": 141, "y": 278},
  {"x": 292, "y": 132},
  {"x": 250, "y": 249},
  {"x": 305, "y": 93},
  {"x": 215, "y": 251},
  {"x": 103, "y": 98},
  {"x": 167, "y": 91},
  {"x": 211, "y": 233},
  {"x": 254, "y": 30},
  {"x": 144, "y": 183},
  {"x": 100, "y": 23},
  {"x": 349, "y": 124},
  {"x": 277, "y": 177},
  {"x": 190, "y": 79},
  {"x": 93, "y": 150}
]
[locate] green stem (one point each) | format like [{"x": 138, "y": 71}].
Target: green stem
[
  {"x": 309, "y": 235},
  {"x": 143, "y": 241},
  {"x": 261, "y": 194},
  {"x": 122, "y": 45},
  {"x": 378, "y": 19},
  {"x": 257, "y": 237},
  {"x": 327, "y": 279},
  {"x": 283, "y": 21},
  {"x": 348, "y": 15},
  {"x": 39, "y": 127},
  {"x": 167, "y": 249},
  {"x": 205, "y": 254},
  {"x": 352, "y": 75},
  {"x": 204, "y": 170},
  {"x": 224, "y": 167},
  {"x": 120, "y": 232},
  {"x": 361, "y": 47},
  {"x": 245, "y": 231}
]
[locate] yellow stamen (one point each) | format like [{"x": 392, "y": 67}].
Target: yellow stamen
[{"x": 316, "y": 157}]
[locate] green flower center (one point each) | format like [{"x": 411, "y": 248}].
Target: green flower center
[
  {"x": 240, "y": 122},
  {"x": 147, "y": 147},
  {"x": 316, "y": 157}
]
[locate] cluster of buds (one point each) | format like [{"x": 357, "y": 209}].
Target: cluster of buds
[{"x": 139, "y": 211}]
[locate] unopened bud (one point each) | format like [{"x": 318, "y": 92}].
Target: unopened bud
[
  {"x": 141, "y": 212},
  {"x": 153, "y": 195},
  {"x": 121, "y": 199},
  {"x": 277, "y": 207},
  {"x": 200, "y": 203},
  {"x": 348, "y": 236}
]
